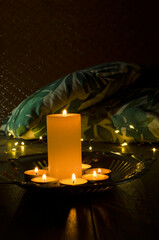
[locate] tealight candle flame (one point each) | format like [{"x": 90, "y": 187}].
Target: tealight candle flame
[
  {"x": 94, "y": 174},
  {"x": 44, "y": 177},
  {"x": 73, "y": 178},
  {"x": 99, "y": 171},
  {"x": 36, "y": 170},
  {"x": 64, "y": 112}
]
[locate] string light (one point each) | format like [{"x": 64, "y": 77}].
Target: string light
[
  {"x": 18, "y": 147},
  {"x": 9, "y": 134},
  {"x": 90, "y": 148},
  {"x": 124, "y": 144},
  {"x": 154, "y": 149},
  {"x": 131, "y": 126}
]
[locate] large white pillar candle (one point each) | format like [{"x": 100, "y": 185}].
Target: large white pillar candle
[{"x": 64, "y": 145}]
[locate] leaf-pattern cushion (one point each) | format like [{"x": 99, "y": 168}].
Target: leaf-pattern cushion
[
  {"x": 138, "y": 120},
  {"x": 101, "y": 94}
]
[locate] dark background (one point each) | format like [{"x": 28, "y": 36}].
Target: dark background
[{"x": 43, "y": 40}]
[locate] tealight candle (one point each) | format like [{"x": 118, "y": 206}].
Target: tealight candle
[
  {"x": 99, "y": 171},
  {"x": 44, "y": 179},
  {"x": 73, "y": 181},
  {"x": 85, "y": 167},
  {"x": 93, "y": 177},
  {"x": 29, "y": 174}
]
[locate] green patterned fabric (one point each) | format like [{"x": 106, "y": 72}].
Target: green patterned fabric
[{"x": 104, "y": 97}]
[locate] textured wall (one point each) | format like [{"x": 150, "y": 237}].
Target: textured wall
[{"x": 42, "y": 40}]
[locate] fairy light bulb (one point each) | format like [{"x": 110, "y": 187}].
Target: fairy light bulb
[
  {"x": 154, "y": 150},
  {"x": 40, "y": 137},
  {"x": 117, "y": 131},
  {"x": 124, "y": 144},
  {"x": 22, "y": 143},
  {"x": 90, "y": 148},
  {"x": 16, "y": 143},
  {"x": 131, "y": 126}
]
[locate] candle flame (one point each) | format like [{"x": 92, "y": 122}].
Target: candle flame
[
  {"x": 36, "y": 170},
  {"x": 99, "y": 171},
  {"x": 73, "y": 178},
  {"x": 94, "y": 174},
  {"x": 44, "y": 177},
  {"x": 64, "y": 112}
]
